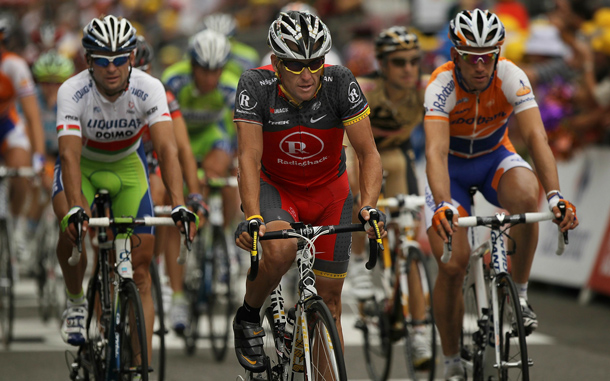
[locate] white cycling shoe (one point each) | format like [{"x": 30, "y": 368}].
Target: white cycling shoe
[{"x": 73, "y": 324}]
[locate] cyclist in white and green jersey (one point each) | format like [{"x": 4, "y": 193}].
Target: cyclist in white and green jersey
[
  {"x": 206, "y": 94},
  {"x": 242, "y": 57}
]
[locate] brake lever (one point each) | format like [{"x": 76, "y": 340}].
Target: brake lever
[{"x": 253, "y": 228}]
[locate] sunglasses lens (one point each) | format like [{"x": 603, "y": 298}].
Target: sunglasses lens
[
  {"x": 120, "y": 61},
  {"x": 475, "y": 58},
  {"x": 103, "y": 62},
  {"x": 294, "y": 66},
  {"x": 316, "y": 65}
]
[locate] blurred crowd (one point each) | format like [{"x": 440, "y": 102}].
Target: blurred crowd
[{"x": 563, "y": 45}]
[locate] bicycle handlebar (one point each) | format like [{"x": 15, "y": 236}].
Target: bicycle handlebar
[
  {"x": 309, "y": 232},
  {"x": 107, "y": 222},
  {"x": 411, "y": 202},
  {"x": 501, "y": 219}
]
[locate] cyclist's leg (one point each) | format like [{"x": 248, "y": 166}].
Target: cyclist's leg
[
  {"x": 141, "y": 257},
  {"x": 216, "y": 164}
]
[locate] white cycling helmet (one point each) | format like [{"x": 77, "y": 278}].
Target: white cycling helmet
[
  {"x": 210, "y": 49},
  {"x": 299, "y": 35},
  {"x": 479, "y": 29},
  {"x": 221, "y": 22},
  {"x": 110, "y": 34}
]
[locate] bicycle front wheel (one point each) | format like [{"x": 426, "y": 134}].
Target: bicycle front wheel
[
  {"x": 7, "y": 297},
  {"x": 327, "y": 362},
  {"x": 158, "y": 355},
  {"x": 513, "y": 347},
  {"x": 375, "y": 327},
  {"x": 220, "y": 302},
  {"x": 132, "y": 334},
  {"x": 95, "y": 352},
  {"x": 471, "y": 338}
]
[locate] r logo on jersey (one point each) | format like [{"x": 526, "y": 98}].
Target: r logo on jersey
[
  {"x": 301, "y": 145},
  {"x": 245, "y": 101},
  {"x": 353, "y": 93}
]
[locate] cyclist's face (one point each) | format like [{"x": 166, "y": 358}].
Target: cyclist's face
[
  {"x": 110, "y": 76},
  {"x": 302, "y": 87},
  {"x": 206, "y": 80},
  {"x": 401, "y": 68},
  {"x": 476, "y": 71}
]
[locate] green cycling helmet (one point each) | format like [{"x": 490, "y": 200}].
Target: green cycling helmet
[{"x": 52, "y": 67}]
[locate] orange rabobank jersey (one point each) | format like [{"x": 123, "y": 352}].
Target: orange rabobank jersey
[{"x": 478, "y": 122}]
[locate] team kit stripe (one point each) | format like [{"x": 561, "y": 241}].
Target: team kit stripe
[
  {"x": 62, "y": 127},
  {"x": 361, "y": 114},
  {"x": 114, "y": 146}
]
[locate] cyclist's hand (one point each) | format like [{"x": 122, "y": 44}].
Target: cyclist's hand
[
  {"x": 181, "y": 213},
  {"x": 197, "y": 205},
  {"x": 570, "y": 221},
  {"x": 70, "y": 221},
  {"x": 243, "y": 238},
  {"x": 364, "y": 216},
  {"x": 38, "y": 161},
  {"x": 439, "y": 220}
]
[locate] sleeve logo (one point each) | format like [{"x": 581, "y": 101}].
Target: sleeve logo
[
  {"x": 245, "y": 101},
  {"x": 353, "y": 93},
  {"x": 523, "y": 90}
]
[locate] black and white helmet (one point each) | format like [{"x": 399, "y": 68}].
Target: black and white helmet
[
  {"x": 144, "y": 54},
  {"x": 210, "y": 49},
  {"x": 479, "y": 29},
  {"x": 393, "y": 39},
  {"x": 299, "y": 35},
  {"x": 110, "y": 34},
  {"x": 221, "y": 22}
]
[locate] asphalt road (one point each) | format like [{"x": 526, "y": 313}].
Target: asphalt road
[{"x": 571, "y": 343}]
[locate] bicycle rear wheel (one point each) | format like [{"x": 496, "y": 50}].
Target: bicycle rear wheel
[
  {"x": 158, "y": 355},
  {"x": 52, "y": 295},
  {"x": 513, "y": 347},
  {"x": 193, "y": 287},
  {"x": 375, "y": 327},
  {"x": 7, "y": 297},
  {"x": 472, "y": 337},
  {"x": 132, "y": 334},
  {"x": 327, "y": 362},
  {"x": 423, "y": 328},
  {"x": 219, "y": 293}
]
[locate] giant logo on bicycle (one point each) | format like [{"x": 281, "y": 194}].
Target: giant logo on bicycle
[{"x": 302, "y": 145}]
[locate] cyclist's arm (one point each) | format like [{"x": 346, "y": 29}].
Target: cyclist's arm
[
  {"x": 361, "y": 138},
  {"x": 249, "y": 154},
  {"x": 185, "y": 155},
  {"x": 70, "y": 148},
  {"x": 29, "y": 105},
  {"x": 437, "y": 151},
  {"x": 164, "y": 143}
]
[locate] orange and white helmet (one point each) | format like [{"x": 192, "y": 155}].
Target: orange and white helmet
[{"x": 479, "y": 29}]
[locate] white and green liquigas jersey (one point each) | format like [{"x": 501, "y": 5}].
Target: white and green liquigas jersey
[{"x": 110, "y": 130}]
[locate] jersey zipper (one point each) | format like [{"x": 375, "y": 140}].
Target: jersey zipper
[{"x": 474, "y": 130}]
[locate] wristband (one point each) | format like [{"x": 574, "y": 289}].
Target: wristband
[
  {"x": 554, "y": 199},
  {"x": 548, "y": 195},
  {"x": 255, "y": 216}
]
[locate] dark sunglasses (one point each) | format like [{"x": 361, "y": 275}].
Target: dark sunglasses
[
  {"x": 402, "y": 62},
  {"x": 104, "y": 61},
  {"x": 297, "y": 67},
  {"x": 474, "y": 58}
]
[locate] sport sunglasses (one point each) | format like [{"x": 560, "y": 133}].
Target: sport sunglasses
[
  {"x": 297, "y": 67},
  {"x": 474, "y": 58},
  {"x": 104, "y": 61},
  {"x": 402, "y": 62}
]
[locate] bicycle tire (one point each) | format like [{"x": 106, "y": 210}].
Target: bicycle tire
[
  {"x": 511, "y": 329},
  {"x": 416, "y": 258},
  {"x": 193, "y": 286},
  {"x": 52, "y": 295},
  {"x": 158, "y": 355},
  {"x": 132, "y": 333},
  {"x": 324, "y": 342},
  {"x": 95, "y": 350},
  {"x": 219, "y": 294},
  {"x": 471, "y": 336},
  {"x": 375, "y": 326},
  {"x": 7, "y": 296}
]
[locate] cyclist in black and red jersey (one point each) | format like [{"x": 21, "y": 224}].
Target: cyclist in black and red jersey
[{"x": 299, "y": 109}]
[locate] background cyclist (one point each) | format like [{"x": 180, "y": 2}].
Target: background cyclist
[
  {"x": 468, "y": 102},
  {"x": 167, "y": 239},
  {"x": 298, "y": 110},
  {"x": 101, "y": 114},
  {"x": 395, "y": 94}
]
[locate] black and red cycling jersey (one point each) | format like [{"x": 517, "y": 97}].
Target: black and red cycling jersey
[{"x": 303, "y": 143}]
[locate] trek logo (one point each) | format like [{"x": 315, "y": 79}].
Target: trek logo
[
  {"x": 245, "y": 101},
  {"x": 353, "y": 93},
  {"x": 443, "y": 95},
  {"x": 302, "y": 145}
]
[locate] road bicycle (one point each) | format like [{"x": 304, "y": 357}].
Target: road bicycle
[
  {"x": 493, "y": 342},
  {"x": 304, "y": 343},
  {"x": 386, "y": 319},
  {"x": 208, "y": 276},
  {"x": 7, "y": 257},
  {"x": 160, "y": 330},
  {"x": 116, "y": 346}
]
